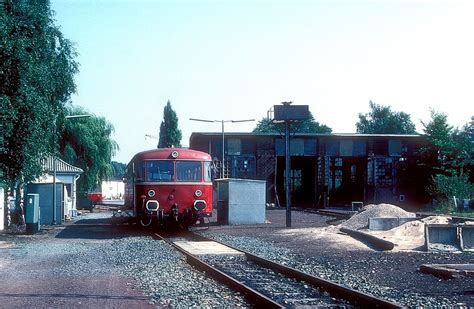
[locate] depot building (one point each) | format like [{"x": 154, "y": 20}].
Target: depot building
[{"x": 327, "y": 170}]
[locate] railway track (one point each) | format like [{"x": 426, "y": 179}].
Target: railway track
[{"x": 264, "y": 282}]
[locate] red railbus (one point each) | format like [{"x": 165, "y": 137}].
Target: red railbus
[{"x": 169, "y": 185}]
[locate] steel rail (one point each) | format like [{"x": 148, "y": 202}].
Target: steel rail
[
  {"x": 355, "y": 297},
  {"x": 252, "y": 296}
]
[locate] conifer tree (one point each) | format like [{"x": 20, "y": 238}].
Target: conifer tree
[{"x": 170, "y": 135}]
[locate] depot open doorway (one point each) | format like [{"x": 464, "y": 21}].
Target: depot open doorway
[
  {"x": 347, "y": 178},
  {"x": 303, "y": 179}
]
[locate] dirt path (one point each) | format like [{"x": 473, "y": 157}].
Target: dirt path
[{"x": 43, "y": 270}]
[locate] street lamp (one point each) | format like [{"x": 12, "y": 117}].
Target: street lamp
[
  {"x": 287, "y": 113},
  {"x": 54, "y": 165},
  {"x": 222, "y": 122}
]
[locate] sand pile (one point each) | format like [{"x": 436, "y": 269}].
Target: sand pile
[
  {"x": 411, "y": 235},
  {"x": 361, "y": 220},
  {"x": 436, "y": 220}
]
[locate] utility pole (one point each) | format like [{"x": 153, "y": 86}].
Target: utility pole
[
  {"x": 287, "y": 170},
  {"x": 287, "y": 113}
]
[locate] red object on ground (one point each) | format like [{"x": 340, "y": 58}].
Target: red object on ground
[{"x": 95, "y": 197}]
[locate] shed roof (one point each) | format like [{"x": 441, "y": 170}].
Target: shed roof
[{"x": 61, "y": 166}]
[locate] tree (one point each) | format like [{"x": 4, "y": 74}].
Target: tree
[
  {"x": 464, "y": 138},
  {"x": 438, "y": 154},
  {"x": 118, "y": 170},
  {"x": 87, "y": 143},
  {"x": 37, "y": 70},
  {"x": 170, "y": 135},
  {"x": 448, "y": 156},
  {"x": 307, "y": 126},
  {"x": 382, "y": 120}
]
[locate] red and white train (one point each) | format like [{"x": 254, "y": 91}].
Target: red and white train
[{"x": 169, "y": 185}]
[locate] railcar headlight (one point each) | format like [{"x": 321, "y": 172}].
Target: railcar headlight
[
  {"x": 152, "y": 205},
  {"x": 151, "y": 193},
  {"x": 199, "y": 205},
  {"x": 198, "y": 193},
  {"x": 174, "y": 154}
]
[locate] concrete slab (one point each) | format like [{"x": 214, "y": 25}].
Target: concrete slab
[
  {"x": 385, "y": 224},
  {"x": 6, "y": 244},
  {"x": 442, "y": 237},
  {"x": 370, "y": 240},
  {"x": 467, "y": 237},
  {"x": 206, "y": 247}
]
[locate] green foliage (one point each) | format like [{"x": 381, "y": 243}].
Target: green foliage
[
  {"x": 37, "y": 68},
  {"x": 170, "y": 135},
  {"x": 449, "y": 150},
  {"x": 444, "y": 188},
  {"x": 464, "y": 151},
  {"x": 118, "y": 170},
  {"x": 449, "y": 156},
  {"x": 382, "y": 120},
  {"x": 87, "y": 143},
  {"x": 307, "y": 126}
]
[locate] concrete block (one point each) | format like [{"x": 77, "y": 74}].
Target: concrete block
[
  {"x": 442, "y": 237},
  {"x": 467, "y": 237},
  {"x": 241, "y": 201},
  {"x": 385, "y": 224},
  {"x": 356, "y": 206}
]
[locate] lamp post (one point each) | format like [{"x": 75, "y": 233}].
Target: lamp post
[
  {"x": 222, "y": 122},
  {"x": 55, "y": 168},
  {"x": 287, "y": 169},
  {"x": 287, "y": 113}
]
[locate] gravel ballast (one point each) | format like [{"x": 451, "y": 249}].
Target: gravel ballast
[
  {"x": 393, "y": 276},
  {"x": 163, "y": 274},
  {"x": 52, "y": 264},
  {"x": 121, "y": 266}
]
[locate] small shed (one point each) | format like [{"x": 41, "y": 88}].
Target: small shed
[{"x": 65, "y": 176}]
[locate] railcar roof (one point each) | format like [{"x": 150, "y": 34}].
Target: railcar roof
[{"x": 165, "y": 153}]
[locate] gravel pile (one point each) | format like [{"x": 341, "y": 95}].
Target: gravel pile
[{"x": 361, "y": 220}]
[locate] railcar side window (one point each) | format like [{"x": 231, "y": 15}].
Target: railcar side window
[
  {"x": 207, "y": 171},
  {"x": 159, "y": 170},
  {"x": 188, "y": 171},
  {"x": 140, "y": 171}
]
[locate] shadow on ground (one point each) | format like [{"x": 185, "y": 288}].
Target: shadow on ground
[{"x": 102, "y": 228}]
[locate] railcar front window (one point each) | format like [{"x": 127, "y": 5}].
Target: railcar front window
[
  {"x": 160, "y": 170},
  {"x": 188, "y": 171}
]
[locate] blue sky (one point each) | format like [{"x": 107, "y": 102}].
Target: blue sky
[{"x": 235, "y": 59}]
